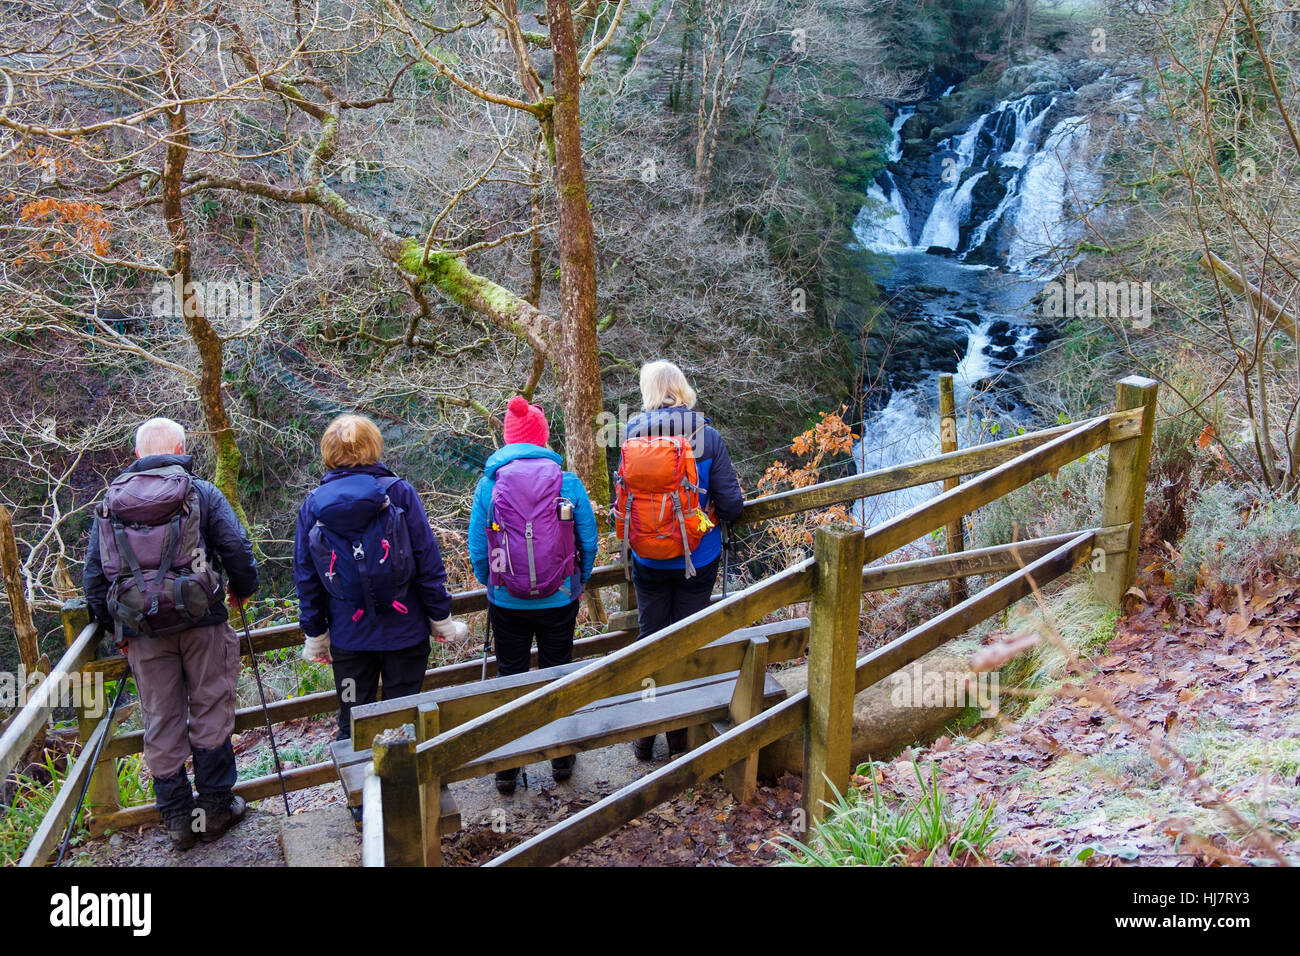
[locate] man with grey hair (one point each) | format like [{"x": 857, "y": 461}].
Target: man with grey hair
[{"x": 159, "y": 545}]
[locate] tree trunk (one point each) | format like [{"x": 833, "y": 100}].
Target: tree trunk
[
  {"x": 211, "y": 357},
  {"x": 578, "y": 361}
]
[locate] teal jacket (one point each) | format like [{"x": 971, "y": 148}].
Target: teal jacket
[{"x": 584, "y": 519}]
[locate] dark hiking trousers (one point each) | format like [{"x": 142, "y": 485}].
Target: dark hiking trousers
[
  {"x": 513, "y": 633},
  {"x": 514, "y": 629},
  {"x": 664, "y": 597},
  {"x": 357, "y": 673}
]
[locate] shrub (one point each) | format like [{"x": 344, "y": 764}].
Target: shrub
[{"x": 1235, "y": 534}]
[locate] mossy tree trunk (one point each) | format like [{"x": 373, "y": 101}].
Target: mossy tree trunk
[
  {"x": 578, "y": 363},
  {"x": 228, "y": 460}
]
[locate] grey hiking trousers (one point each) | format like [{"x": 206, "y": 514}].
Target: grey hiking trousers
[{"x": 187, "y": 692}]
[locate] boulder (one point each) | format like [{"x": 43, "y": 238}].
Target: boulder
[{"x": 884, "y": 722}]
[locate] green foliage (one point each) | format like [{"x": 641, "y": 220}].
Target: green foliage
[
  {"x": 31, "y": 802},
  {"x": 861, "y": 831},
  {"x": 1234, "y": 534},
  {"x": 133, "y": 781},
  {"x": 264, "y": 763}
]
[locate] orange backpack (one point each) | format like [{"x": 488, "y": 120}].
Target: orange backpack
[{"x": 657, "y": 505}]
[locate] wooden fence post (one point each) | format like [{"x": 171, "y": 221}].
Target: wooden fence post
[
  {"x": 394, "y": 755},
  {"x": 832, "y": 654},
  {"x": 103, "y": 796},
  {"x": 953, "y": 534},
  {"x": 29, "y": 652},
  {"x": 1126, "y": 484},
  {"x": 746, "y": 702},
  {"x": 430, "y": 790}
]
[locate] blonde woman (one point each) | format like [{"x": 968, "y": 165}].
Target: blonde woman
[
  {"x": 368, "y": 572},
  {"x": 669, "y": 589}
]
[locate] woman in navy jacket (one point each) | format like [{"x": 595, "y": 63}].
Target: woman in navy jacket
[
  {"x": 394, "y": 640},
  {"x": 664, "y": 594}
]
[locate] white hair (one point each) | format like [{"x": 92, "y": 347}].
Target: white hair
[
  {"x": 663, "y": 385},
  {"x": 158, "y": 436}
]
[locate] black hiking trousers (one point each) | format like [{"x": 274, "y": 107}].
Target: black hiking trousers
[
  {"x": 513, "y": 632},
  {"x": 356, "y": 677},
  {"x": 514, "y": 629},
  {"x": 664, "y": 597}
]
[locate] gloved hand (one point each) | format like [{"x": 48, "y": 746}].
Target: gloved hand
[
  {"x": 449, "y": 631},
  {"x": 317, "y": 649}
]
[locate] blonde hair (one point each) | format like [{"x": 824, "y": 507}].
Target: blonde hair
[
  {"x": 663, "y": 385},
  {"x": 351, "y": 440},
  {"x": 159, "y": 436}
]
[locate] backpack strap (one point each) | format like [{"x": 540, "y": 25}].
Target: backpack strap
[
  {"x": 681, "y": 523},
  {"x": 133, "y": 563}
]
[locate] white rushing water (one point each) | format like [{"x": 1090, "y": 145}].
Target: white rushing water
[
  {"x": 1041, "y": 180},
  {"x": 1038, "y": 222},
  {"x": 884, "y": 225},
  {"x": 944, "y": 223}
]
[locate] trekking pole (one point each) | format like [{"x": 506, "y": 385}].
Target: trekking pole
[
  {"x": 726, "y": 554},
  {"x": 99, "y": 747},
  {"x": 257, "y": 673}
]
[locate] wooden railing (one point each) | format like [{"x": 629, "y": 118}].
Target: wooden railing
[{"x": 406, "y": 766}]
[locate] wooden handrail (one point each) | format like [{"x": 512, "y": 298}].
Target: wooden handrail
[
  {"x": 616, "y": 672},
  {"x": 1121, "y": 425},
  {"x": 613, "y": 674},
  {"x": 36, "y": 712},
  {"x": 607, "y": 815}
]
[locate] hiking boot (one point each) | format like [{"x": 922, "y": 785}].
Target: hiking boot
[
  {"x": 180, "y": 830},
  {"x": 676, "y": 742},
  {"x": 221, "y": 812},
  {"x": 562, "y": 767},
  {"x": 505, "y": 781},
  {"x": 645, "y": 748},
  {"x": 175, "y": 801}
]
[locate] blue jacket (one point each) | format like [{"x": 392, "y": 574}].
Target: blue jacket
[
  {"x": 388, "y": 630},
  {"x": 718, "y": 481},
  {"x": 584, "y": 519}
]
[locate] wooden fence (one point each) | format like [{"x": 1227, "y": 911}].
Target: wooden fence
[{"x": 406, "y": 770}]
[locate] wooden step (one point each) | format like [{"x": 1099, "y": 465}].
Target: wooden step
[{"x": 603, "y": 723}]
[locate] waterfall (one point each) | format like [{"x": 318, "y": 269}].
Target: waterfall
[
  {"x": 884, "y": 225},
  {"x": 1011, "y": 129},
  {"x": 942, "y": 222},
  {"x": 1022, "y": 149},
  {"x": 943, "y": 228},
  {"x": 1049, "y": 179}
]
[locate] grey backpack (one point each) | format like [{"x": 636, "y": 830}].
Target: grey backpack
[{"x": 161, "y": 578}]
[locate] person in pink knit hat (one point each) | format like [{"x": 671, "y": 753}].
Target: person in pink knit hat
[{"x": 532, "y": 540}]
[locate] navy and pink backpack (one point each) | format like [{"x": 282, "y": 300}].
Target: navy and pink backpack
[
  {"x": 531, "y": 546},
  {"x": 360, "y": 544}
]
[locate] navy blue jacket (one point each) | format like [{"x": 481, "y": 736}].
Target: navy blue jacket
[
  {"x": 386, "y": 630},
  {"x": 717, "y": 477},
  {"x": 223, "y": 537}
]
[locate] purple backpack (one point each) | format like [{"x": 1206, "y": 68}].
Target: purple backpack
[
  {"x": 161, "y": 578},
  {"x": 531, "y": 550}
]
